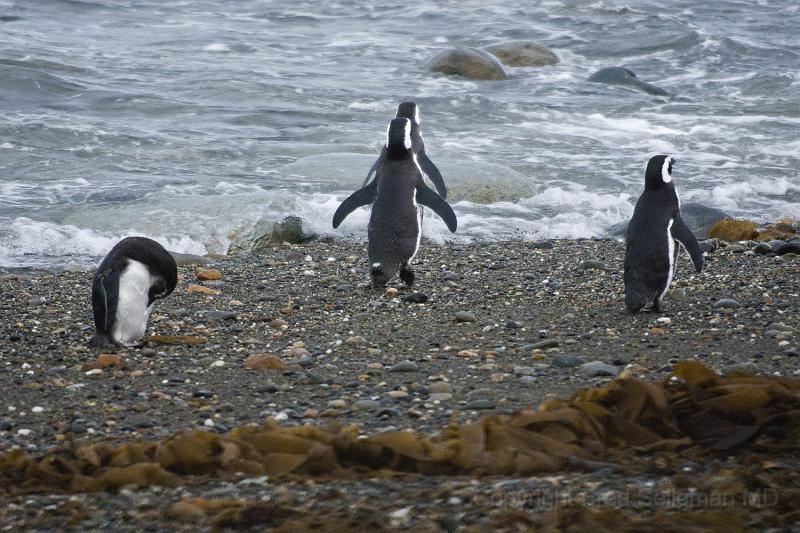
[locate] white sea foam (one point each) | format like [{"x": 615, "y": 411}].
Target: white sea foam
[{"x": 217, "y": 47}]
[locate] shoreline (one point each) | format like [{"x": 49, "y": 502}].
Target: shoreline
[{"x": 547, "y": 323}]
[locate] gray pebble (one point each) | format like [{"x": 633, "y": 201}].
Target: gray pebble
[
  {"x": 742, "y": 368},
  {"x": 726, "y": 303},
  {"x": 513, "y": 324},
  {"x": 440, "y": 396},
  {"x": 568, "y": 360},
  {"x": 337, "y": 404},
  {"x": 37, "y": 301},
  {"x": 524, "y": 371},
  {"x": 220, "y": 315},
  {"x": 598, "y": 368},
  {"x": 5, "y": 425},
  {"x": 481, "y": 403},
  {"x": 736, "y": 248},
  {"x": 780, "y": 326},
  {"x": 404, "y": 366},
  {"x": 541, "y": 245},
  {"x": 417, "y": 298},
  {"x": 541, "y": 345},
  {"x": 389, "y": 413},
  {"x": 593, "y": 264},
  {"x": 366, "y": 405},
  {"x": 465, "y": 316},
  {"x": 304, "y": 361},
  {"x": 528, "y": 381},
  {"x": 762, "y": 248},
  {"x": 450, "y": 276}
]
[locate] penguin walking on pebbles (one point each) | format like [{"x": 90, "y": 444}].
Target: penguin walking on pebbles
[
  {"x": 655, "y": 234},
  {"x": 135, "y": 273},
  {"x": 394, "y": 229},
  {"x": 410, "y": 110}
]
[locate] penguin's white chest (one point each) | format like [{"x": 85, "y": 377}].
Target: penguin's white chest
[{"x": 132, "y": 310}]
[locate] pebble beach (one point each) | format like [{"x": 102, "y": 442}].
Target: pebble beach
[{"x": 295, "y": 335}]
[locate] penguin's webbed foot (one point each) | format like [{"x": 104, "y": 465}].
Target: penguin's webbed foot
[
  {"x": 407, "y": 275},
  {"x": 99, "y": 340},
  {"x": 378, "y": 276}
]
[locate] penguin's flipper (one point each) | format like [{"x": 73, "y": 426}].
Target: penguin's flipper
[
  {"x": 105, "y": 294},
  {"x": 363, "y": 196},
  {"x": 682, "y": 234},
  {"x": 427, "y": 197},
  {"x": 375, "y": 166},
  {"x": 433, "y": 173}
]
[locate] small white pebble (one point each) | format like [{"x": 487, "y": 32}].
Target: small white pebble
[
  {"x": 94, "y": 371},
  {"x": 218, "y": 363},
  {"x": 308, "y": 259},
  {"x": 25, "y": 366},
  {"x": 37, "y": 409},
  {"x": 281, "y": 416},
  {"x": 664, "y": 320},
  {"x": 208, "y": 423},
  {"x": 24, "y": 432},
  {"x": 308, "y": 272},
  {"x": 331, "y": 259}
]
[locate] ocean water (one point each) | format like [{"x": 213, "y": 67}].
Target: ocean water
[{"x": 199, "y": 122}]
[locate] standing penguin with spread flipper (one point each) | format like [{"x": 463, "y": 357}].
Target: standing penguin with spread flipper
[
  {"x": 135, "y": 273},
  {"x": 410, "y": 110},
  {"x": 650, "y": 246},
  {"x": 394, "y": 228}
]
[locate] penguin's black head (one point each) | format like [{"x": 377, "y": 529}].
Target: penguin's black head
[
  {"x": 658, "y": 173},
  {"x": 398, "y": 139},
  {"x": 410, "y": 111}
]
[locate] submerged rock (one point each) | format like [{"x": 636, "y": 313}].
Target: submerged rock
[
  {"x": 467, "y": 62},
  {"x": 523, "y": 54},
  {"x": 627, "y": 78}
]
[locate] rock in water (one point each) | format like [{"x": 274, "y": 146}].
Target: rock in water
[
  {"x": 469, "y": 63},
  {"x": 523, "y": 54},
  {"x": 700, "y": 219},
  {"x": 290, "y": 230},
  {"x": 627, "y": 78}
]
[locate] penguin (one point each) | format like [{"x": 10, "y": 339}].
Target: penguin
[
  {"x": 394, "y": 229},
  {"x": 655, "y": 234},
  {"x": 135, "y": 273},
  {"x": 410, "y": 110}
]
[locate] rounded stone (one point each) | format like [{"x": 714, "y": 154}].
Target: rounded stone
[
  {"x": 465, "y": 316},
  {"x": 598, "y": 368},
  {"x": 469, "y": 63},
  {"x": 762, "y": 248},
  {"x": 417, "y": 298},
  {"x": 791, "y": 247},
  {"x": 523, "y": 54},
  {"x": 726, "y": 303},
  {"x": 404, "y": 366},
  {"x": 481, "y": 403}
]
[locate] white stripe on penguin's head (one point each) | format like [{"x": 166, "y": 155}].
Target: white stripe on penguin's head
[
  {"x": 416, "y": 114},
  {"x": 407, "y": 135},
  {"x": 665, "y": 168}
]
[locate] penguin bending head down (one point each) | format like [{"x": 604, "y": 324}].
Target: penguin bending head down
[
  {"x": 394, "y": 229},
  {"x": 410, "y": 110},
  {"x": 135, "y": 273},
  {"x": 655, "y": 234}
]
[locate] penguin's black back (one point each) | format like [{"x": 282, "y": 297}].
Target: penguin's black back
[{"x": 157, "y": 259}]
